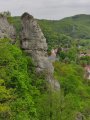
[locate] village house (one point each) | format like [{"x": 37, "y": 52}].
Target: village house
[
  {"x": 53, "y": 55},
  {"x": 87, "y": 72},
  {"x": 86, "y": 53}
]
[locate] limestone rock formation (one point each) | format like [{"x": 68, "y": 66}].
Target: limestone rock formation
[
  {"x": 6, "y": 30},
  {"x": 34, "y": 43}
]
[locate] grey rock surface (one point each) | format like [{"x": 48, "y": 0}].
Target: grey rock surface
[
  {"x": 6, "y": 29},
  {"x": 34, "y": 43}
]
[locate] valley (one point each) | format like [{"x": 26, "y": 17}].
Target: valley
[{"x": 44, "y": 68}]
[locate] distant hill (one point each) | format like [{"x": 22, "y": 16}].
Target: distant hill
[{"x": 77, "y": 26}]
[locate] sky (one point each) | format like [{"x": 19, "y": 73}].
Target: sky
[{"x": 46, "y": 9}]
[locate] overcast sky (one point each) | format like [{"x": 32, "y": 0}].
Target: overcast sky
[{"x": 46, "y": 9}]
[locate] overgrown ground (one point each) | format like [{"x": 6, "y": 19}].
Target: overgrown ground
[{"x": 23, "y": 93}]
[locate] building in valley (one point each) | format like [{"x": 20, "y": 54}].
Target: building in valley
[{"x": 87, "y": 72}]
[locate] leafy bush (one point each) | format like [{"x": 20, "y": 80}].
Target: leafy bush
[{"x": 16, "y": 91}]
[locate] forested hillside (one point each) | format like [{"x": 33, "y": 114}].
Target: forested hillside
[
  {"x": 64, "y": 31},
  {"x": 25, "y": 95},
  {"x": 76, "y": 26}
]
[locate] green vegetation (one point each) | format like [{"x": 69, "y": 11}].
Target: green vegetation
[
  {"x": 16, "y": 92},
  {"x": 76, "y": 26},
  {"x": 16, "y": 22},
  {"x": 76, "y": 97},
  {"x": 62, "y": 32},
  {"x": 24, "y": 94}
]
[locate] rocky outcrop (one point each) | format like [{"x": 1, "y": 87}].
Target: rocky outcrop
[
  {"x": 6, "y": 30},
  {"x": 34, "y": 43}
]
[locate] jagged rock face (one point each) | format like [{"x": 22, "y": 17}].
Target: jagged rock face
[
  {"x": 6, "y": 30},
  {"x": 34, "y": 43}
]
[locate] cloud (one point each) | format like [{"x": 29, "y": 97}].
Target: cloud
[{"x": 49, "y": 9}]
